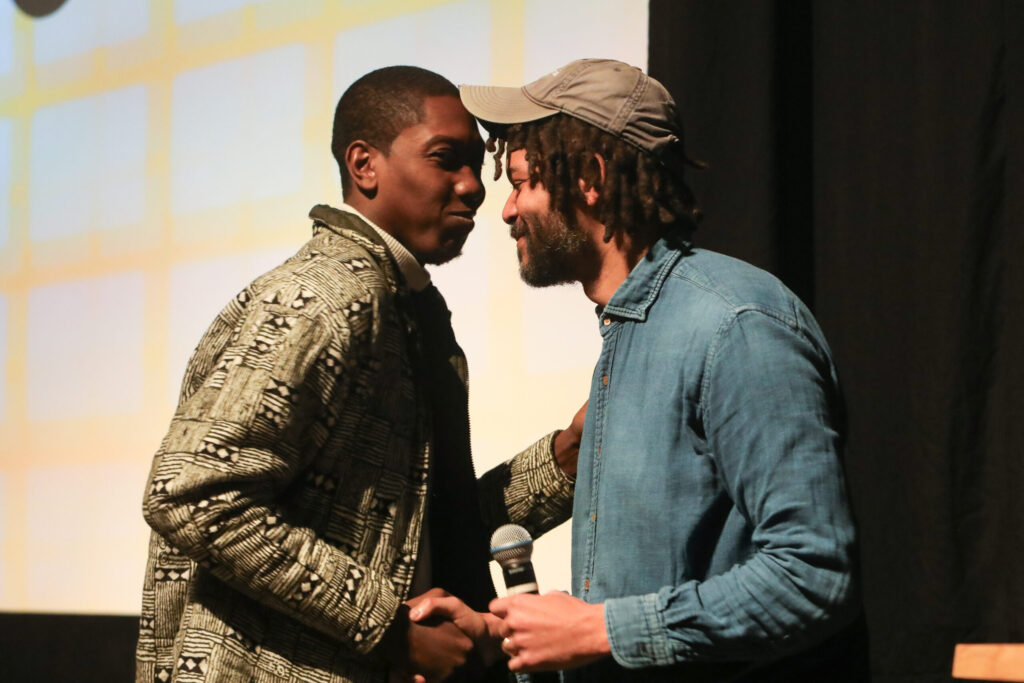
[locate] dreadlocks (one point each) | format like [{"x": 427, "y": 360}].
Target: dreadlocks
[{"x": 638, "y": 194}]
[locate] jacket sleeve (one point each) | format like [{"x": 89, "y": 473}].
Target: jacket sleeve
[
  {"x": 529, "y": 489},
  {"x": 247, "y": 430},
  {"x": 770, "y": 403}
]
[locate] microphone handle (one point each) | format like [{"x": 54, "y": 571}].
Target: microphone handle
[{"x": 519, "y": 578}]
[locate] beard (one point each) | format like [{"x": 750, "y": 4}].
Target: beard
[{"x": 557, "y": 253}]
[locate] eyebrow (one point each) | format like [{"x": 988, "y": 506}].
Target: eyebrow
[
  {"x": 517, "y": 171},
  {"x": 437, "y": 139}
]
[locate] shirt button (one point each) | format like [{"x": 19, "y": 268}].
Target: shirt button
[
  {"x": 586, "y": 585},
  {"x": 607, "y": 321},
  {"x": 593, "y": 517},
  {"x": 604, "y": 380}
]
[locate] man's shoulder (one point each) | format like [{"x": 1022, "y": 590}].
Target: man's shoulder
[
  {"x": 331, "y": 272},
  {"x": 725, "y": 285}
]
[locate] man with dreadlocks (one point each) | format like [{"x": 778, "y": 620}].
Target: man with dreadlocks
[{"x": 712, "y": 538}]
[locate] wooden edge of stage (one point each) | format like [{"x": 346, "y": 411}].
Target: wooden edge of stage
[{"x": 989, "y": 661}]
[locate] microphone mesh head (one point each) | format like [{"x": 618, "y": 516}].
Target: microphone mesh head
[{"x": 511, "y": 543}]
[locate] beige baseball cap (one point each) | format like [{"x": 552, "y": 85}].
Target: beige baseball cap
[{"x": 617, "y": 98}]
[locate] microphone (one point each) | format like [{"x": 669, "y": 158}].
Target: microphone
[{"x": 511, "y": 547}]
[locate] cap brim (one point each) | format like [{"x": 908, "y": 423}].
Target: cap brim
[{"x": 501, "y": 106}]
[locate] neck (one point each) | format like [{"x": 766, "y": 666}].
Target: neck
[
  {"x": 617, "y": 257},
  {"x": 361, "y": 203}
]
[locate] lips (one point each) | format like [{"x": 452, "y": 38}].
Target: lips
[{"x": 463, "y": 221}]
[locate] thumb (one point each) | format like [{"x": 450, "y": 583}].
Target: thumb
[{"x": 434, "y": 607}]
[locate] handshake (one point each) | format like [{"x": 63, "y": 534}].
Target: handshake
[{"x": 436, "y": 636}]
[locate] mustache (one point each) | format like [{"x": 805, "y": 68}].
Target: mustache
[{"x": 518, "y": 229}]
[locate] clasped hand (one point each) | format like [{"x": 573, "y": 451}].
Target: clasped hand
[
  {"x": 436, "y": 636},
  {"x": 537, "y": 632}
]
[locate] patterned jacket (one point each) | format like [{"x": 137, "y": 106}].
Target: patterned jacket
[{"x": 287, "y": 498}]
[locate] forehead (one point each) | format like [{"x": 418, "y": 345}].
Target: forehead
[
  {"x": 443, "y": 117},
  {"x": 517, "y": 162}
]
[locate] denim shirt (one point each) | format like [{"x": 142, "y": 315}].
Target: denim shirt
[{"x": 710, "y": 513}]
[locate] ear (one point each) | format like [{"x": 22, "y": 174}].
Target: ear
[
  {"x": 591, "y": 189},
  {"x": 361, "y": 160}
]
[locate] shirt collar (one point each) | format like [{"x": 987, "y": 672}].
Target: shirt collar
[
  {"x": 641, "y": 287},
  {"x": 416, "y": 276}
]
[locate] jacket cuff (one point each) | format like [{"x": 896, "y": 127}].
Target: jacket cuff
[
  {"x": 539, "y": 465},
  {"x": 546, "y": 448},
  {"x": 381, "y": 608}
]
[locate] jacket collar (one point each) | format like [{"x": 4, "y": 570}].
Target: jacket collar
[
  {"x": 338, "y": 220},
  {"x": 352, "y": 226},
  {"x": 641, "y": 287},
  {"x": 415, "y": 274}
]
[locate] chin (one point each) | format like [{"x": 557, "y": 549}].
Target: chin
[
  {"x": 436, "y": 258},
  {"x": 535, "y": 278}
]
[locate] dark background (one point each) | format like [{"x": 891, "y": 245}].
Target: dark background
[{"x": 872, "y": 155}]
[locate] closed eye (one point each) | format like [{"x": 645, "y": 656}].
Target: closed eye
[{"x": 446, "y": 157}]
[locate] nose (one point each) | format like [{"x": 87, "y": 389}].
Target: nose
[
  {"x": 470, "y": 188},
  {"x": 509, "y": 213}
]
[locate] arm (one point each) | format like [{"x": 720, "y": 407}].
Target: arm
[
  {"x": 246, "y": 432},
  {"x": 566, "y": 444},
  {"x": 769, "y": 407},
  {"x": 554, "y": 459},
  {"x": 769, "y": 404},
  {"x": 534, "y": 489}
]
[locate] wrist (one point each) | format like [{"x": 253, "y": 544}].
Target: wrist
[
  {"x": 566, "y": 447},
  {"x": 599, "y": 643},
  {"x": 393, "y": 645}
]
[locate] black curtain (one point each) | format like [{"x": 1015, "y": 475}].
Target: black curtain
[{"x": 871, "y": 154}]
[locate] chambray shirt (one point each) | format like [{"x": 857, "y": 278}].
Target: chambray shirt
[{"x": 710, "y": 513}]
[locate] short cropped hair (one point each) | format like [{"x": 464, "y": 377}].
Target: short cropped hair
[
  {"x": 639, "y": 193},
  {"x": 380, "y": 105}
]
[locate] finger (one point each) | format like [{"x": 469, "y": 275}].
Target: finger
[
  {"x": 446, "y": 607},
  {"x": 503, "y": 629},
  {"x": 419, "y": 679},
  {"x": 421, "y": 610},
  {"x": 495, "y": 626},
  {"x": 508, "y": 646},
  {"x": 520, "y": 664},
  {"x": 499, "y": 607}
]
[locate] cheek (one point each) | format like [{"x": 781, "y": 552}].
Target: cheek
[
  {"x": 533, "y": 210},
  {"x": 536, "y": 202}
]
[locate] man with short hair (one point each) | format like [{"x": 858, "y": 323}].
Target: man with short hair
[
  {"x": 712, "y": 537},
  {"x": 316, "y": 478}
]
